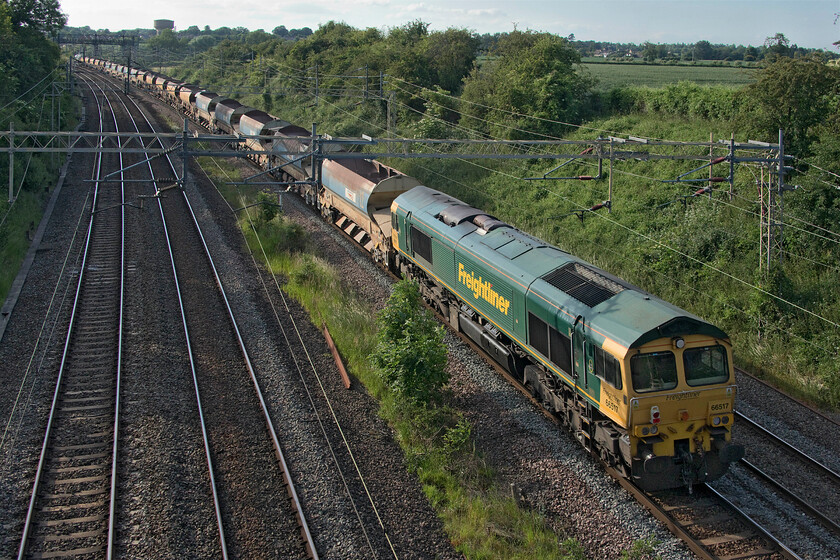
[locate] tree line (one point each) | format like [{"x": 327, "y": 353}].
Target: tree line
[{"x": 26, "y": 53}]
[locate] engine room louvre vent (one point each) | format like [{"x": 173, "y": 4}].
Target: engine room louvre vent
[{"x": 583, "y": 283}]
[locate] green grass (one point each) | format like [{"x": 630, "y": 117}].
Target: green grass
[
  {"x": 630, "y": 74},
  {"x": 26, "y": 213},
  {"x": 14, "y": 242}
]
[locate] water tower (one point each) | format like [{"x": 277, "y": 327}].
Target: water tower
[{"x": 161, "y": 24}]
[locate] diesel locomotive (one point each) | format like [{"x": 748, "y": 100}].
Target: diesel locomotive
[{"x": 648, "y": 387}]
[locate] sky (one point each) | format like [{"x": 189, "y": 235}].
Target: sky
[{"x": 807, "y": 23}]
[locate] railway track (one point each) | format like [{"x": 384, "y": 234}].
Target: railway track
[
  {"x": 807, "y": 482},
  {"x": 73, "y": 505},
  {"x": 71, "y": 509},
  {"x": 816, "y": 412},
  {"x": 210, "y": 395},
  {"x": 231, "y": 408}
]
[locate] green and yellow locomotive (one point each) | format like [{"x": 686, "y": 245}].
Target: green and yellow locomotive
[{"x": 646, "y": 385}]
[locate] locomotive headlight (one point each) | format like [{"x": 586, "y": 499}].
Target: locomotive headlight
[
  {"x": 679, "y": 343},
  {"x": 645, "y": 431},
  {"x": 726, "y": 419},
  {"x": 654, "y": 430},
  {"x": 716, "y": 421}
]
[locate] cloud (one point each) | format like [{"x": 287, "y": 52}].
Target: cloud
[{"x": 485, "y": 12}]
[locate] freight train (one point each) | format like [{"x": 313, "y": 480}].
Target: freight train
[{"x": 648, "y": 387}]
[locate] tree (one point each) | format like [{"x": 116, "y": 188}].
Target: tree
[
  {"x": 777, "y": 45},
  {"x": 9, "y": 83},
  {"x": 649, "y": 52},
  {"x": 166, "y": 40},
  {"x": 203, "y": 43},
  {"x": 533, "y": 75},
  {"x": 794, "y": 94},
  {"x": 410, "y": 354},
  {"x": 40, "y": 15},
  {"x": 280, "y": 31},
  {"x": 703, "y": 50},
  {"x": 449, "y": 56},
  {"x": 26, "y": 56}
]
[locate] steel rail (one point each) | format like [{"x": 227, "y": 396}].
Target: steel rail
[
  {"x": 790, "y": 447},
  {"x": 204, "y": 433},
  {"x": 301, "y": 518},
  {"x": 96, "y": 172},
  {"x": 310, "y": 543},
  {"x": 113, "y": 495},
  {"x": 821, "y": 517},
  {"x": 810, "y": 407},
  {"x": 783, "y": 548},
  {"x": 303, "y": 380},
  {"x": 190, "y": 354}
]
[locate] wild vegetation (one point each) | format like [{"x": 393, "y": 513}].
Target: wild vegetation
[
  {"x": 28, "y": 60},
  {"x": 700, "y": 253}
]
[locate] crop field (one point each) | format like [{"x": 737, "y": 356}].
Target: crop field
[{"x": 616, "y": 75}]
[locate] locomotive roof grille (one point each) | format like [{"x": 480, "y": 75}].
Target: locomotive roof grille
[{"x": 582, "y": 283}]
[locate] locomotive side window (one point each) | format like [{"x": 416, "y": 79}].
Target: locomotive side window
[
  {"x": 422, "y": 244},
  {"x": 705, "y": 366},
  {"x": 395, "y": 223},
  {"x": 656, "y": 371},
  {"x": 561, "y": 350},
  {"x": 538, "y": 334},
  {"x": 607, "y": 368}
]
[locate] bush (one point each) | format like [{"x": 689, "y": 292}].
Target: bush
[
  {"x": 270, "y": 208},
  {"x": 410, "y": 354}
]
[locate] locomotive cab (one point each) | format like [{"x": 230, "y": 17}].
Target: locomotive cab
[{"x": 682, "y": 392}]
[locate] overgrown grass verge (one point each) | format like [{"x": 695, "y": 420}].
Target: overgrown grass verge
[
  {"x": 480, "y": 519},
  {"x": 15, "y": 236},
  {"x": 35, "y": 175}
]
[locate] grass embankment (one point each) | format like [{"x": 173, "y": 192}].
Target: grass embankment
[
  {"x": 16, "y": 235},
  {"x": 34, "y": 177},
  {"x": 480, "y": 519}
]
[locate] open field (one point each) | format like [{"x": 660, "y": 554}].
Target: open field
[{"x": 616, "y": 75}]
